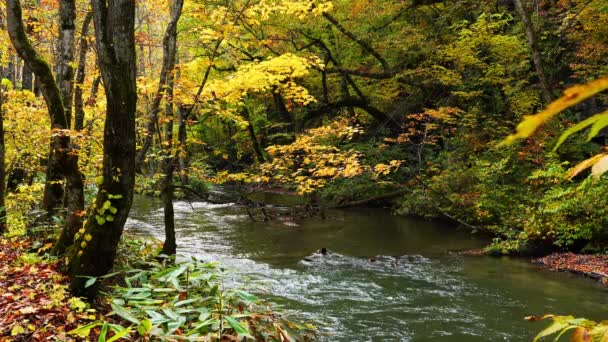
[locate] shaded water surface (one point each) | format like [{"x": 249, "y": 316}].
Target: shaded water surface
[{"x": 414, "y": 290}]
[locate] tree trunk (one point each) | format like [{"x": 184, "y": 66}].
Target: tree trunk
[
  {"x": 168, "y": 166},
  {"x": 3, "y": 227},
  {"x": 27, "y": 78},
  {"x": 536, "y": 55},
  {"x": 96, "y": 248},
  {"x": 10, "y": 70},
  {"x": 254, "y": 140},
  {"x": 80, "y": 73},
  {"x": 183, "y": 148},
  {"x": 169, "y": 157},
  {"x": 65, "y": 78},
  {"x": 169, "y": 52},
  {"x": 60, "y": 162},
  {"x": 65, "y": 58}
]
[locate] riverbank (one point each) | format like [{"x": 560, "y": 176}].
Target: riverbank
[
  {"x": 592, "y": 266},
  {"x": 144, "y": 299}
]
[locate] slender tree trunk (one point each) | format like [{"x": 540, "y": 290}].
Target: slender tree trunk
[
  {"x": 3, "y": 227},
  {"x": 325, "y": 98},
  {"x": 94, "y": 90},
  {"x": 168, "y": 166},
  {"x": 254, "y": 140},
  {"x": 169, "y": 51},
  {"x": 10, "y": 73},
  {"x": 169, "y": 157},
  {"x": 27, "y": 78},
  {"x": 536, "y": 55},
  {"x": 74, "y": 180},
  {"x": 183, "y": 148},
  {"x": 279, "y": 104},
  {"x": 65, "y": 60},
  {"x": 80, "y": 73},
  {"x": 115, "y": 38}
]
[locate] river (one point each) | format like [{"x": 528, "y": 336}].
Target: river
[{"x": 415, "y": 290}]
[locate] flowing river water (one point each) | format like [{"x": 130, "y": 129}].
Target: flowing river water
[{"x": 415, "y": 290}]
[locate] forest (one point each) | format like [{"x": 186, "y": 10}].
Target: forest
[{"x": 303, "y": 170}]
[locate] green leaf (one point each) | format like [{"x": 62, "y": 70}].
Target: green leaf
[
  {"x": 582, "y": 125},
  {"x": 90, "y": 282},
  {"x": 84, "y": 331},
  {"x": 100, "y": 220},
  {"x": 103, "y": 333},
  {"x": 157, "y": 318},
  {"x": 171, "y": 314},
  {"x": 174, "y": 325},
  {"x": 552, "y": 329},
  {"x": 110, "y": 218},
  {"x": 144, "y": 327},
  {"x": 187, "y": 301},
  {"x": 248, "y": 297},
  {"x": 238, "y": 328},
  {"x": 106, "y": 205},
  {"x": 122, "y": 312},
  {"x": 205, "y": 314},
  {"x": 206, "y": 323},
  {"x": 120, "y": 334}
]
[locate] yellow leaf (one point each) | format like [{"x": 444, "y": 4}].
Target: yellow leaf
[
  {"x": 600, "y": 167},
  {"x": 582, "y": 166},
  {"x": 572, "y": 96},
  {"x": 17, "y": 330}
]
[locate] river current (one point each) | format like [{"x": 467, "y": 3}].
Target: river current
[{"x": 388, "y": 278}]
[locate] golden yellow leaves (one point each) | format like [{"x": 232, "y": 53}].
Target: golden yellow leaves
[
  {"x": 313, "y": 159},
  {"x": 276, "y": 74},
  {"x": 301, "y": 9},
  {"x": 386, "y": 169}
]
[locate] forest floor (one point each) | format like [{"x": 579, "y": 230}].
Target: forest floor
[
  {"x": 592, "y": 266},
  {"x": 35, "y": 304}
]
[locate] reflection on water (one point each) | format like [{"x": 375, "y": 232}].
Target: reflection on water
[{"x": 411, "y": 289}]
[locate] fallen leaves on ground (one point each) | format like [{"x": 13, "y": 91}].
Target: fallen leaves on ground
[
  {"x": 594, "y": 266},
  {"x": 35, "y": 304}
]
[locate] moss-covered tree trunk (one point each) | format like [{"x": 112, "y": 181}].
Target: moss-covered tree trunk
[
  {"x": 96, "y": 245},
  {"x": 61, "y": 163}
]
